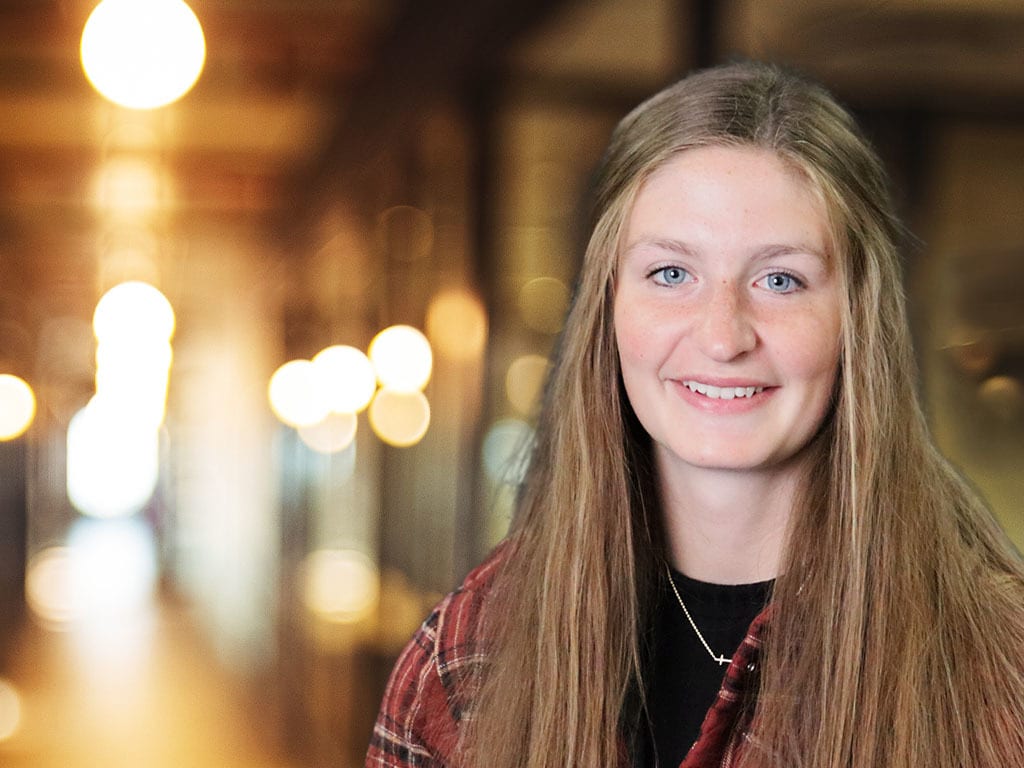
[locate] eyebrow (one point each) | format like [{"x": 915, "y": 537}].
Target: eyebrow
[
  {"x": 661, "y": 244},
  {"x": 765, "y": 253}
]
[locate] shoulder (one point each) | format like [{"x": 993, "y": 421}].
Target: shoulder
[
  {"x": 453, "y": 624},
  {"x": 480, "y": 580},
  {"x": 426, "y": 695},
  {"x": 453, "y": 628}
]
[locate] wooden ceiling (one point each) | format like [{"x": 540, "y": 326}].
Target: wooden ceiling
[
  {"x": 296, "y": 91},
  {"x": 292, "y": 90},
  {"x": 274, "y": 86}
]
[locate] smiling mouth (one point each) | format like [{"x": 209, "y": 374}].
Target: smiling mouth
[{"x": 721, "y": 393}]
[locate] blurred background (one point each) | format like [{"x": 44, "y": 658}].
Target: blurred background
[{"x": 219, "y": 520}]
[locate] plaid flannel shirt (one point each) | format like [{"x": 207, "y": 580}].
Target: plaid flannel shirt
[{"x": 419, "y": 719}]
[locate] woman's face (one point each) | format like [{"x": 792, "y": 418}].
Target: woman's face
[{"x": 727, "y": 313}]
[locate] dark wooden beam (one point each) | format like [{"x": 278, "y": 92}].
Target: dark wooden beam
[
  {"x": 440, "y": 47},
  {"x": 704, "y": 32}
]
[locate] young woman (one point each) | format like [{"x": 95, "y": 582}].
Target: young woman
[{"x": 737, "y": 544}]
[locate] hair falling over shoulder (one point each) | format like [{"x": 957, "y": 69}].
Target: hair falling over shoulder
[{"x": 898, "y": 622}]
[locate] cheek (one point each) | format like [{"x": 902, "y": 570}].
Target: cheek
[
  {"x": 813, "y": 353},
  {"x": 643, "y": 346},
  {"x": 645, "y": 334},
  {"x": 631, "y": 336}
]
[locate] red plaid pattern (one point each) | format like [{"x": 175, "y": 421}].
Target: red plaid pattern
[{"x": 424, "y": 702}]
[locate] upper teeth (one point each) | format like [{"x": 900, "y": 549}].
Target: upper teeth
[{"x": 723, "y": 393}]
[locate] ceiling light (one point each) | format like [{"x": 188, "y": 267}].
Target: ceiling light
[{"x": 143, "y": 54}]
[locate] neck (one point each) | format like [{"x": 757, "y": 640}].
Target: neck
[{"x": 726, "y": 526}]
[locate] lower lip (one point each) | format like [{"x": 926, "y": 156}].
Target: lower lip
[{"x": 721, "y": 406}]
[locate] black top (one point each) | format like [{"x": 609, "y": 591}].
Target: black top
[{"x": 681, "y": 677}]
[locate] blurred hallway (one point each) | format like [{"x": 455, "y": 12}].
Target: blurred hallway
[
  {"x": 146, "y": 693},
  {"x": 342, "y": 168}
]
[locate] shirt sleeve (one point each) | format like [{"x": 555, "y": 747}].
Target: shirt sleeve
[
  {"x": 428, "y": 694},
  {"x": 414, "y": 726}
]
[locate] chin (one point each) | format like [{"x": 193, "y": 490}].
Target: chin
[
  {"x": 724, "y": 460},
  {"x": 732, "y": 461}
]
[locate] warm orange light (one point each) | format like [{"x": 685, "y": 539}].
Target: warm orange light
[
  {"x": 133, "y": 323},
  {"x": 106, "y": 572},
  {"x": 297, "y": 394},
  {"x": 128, "y": 189},
  {"x": 143, "y": 54},
  {"x": 133, "y": 377},
  {"x": 400, "y": 419},
  {"x": 10, "y": 710},
  {"x": 17, "y": 406},
  {"x": 402, "y": 358},
  {"x": 133, "y": 310},
  {"x": 332, "y": 435},
  {"x": 457, "y": 324},
  {"x": 113, "y": 459},
  {"x": 340, "y": 585},
  {"x": 49, "y": 587},
  {"x": 1004, "y": 395},
  {"x": 347, "y": 377},
  {"x": 524, "y": 382}
]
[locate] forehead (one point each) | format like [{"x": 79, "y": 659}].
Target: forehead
[
  {"x": 729, "y": 195},
  {"x": 757, "y": 170}
]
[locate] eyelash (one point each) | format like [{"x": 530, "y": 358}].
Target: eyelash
[
  {"x": 799, "y": 284},
  {"x": 654, "y": 274}
]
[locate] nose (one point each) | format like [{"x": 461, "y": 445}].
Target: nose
[{"x": 725, "y": 331}]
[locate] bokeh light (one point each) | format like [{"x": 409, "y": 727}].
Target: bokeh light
[
  {"x": 457, "y": 324},
  {"x": 134, "y": 323},
  {"x": 143, "y": 54},
  {"x": 17, "y": 406},
  {"x": 543, "y": 303},
  {"x": 10, "y": 710},
  {"x": 1003, "y": 395},
  {"x": 49, "y": 586},
  {"x": 126, "y": 357},
  {"x": 113, "y": 460},
  {"x": 333, "y": 434},
  {"x": 340, "y": 585},
  {"x": 135, "y": 377},
  {"x": 506, "y": 451},
  {"x": 129, "y": 188},
  {"x": 133, "y": 310},
  {"x": 524, "y": 382},
  {"x": 114, "y": 566},
  {"x": 972, "y": 350},
  {"x": 400, "y": 419},
  {"x": 402, "y": 358},
  {"x": 107, "y": 569},
  {"x": 347, "y": 376},
  {"x": 297, "y": 394}
]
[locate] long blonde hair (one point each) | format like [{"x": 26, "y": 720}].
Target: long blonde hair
[{"x": 898, "y": 625}]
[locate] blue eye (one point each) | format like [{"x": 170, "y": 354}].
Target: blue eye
[
  {"x": 782, "y": 282},
  {"x": 670, "y": 275}
]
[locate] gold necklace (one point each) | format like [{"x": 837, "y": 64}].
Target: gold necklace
[{"x": 672, "y": 582}]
